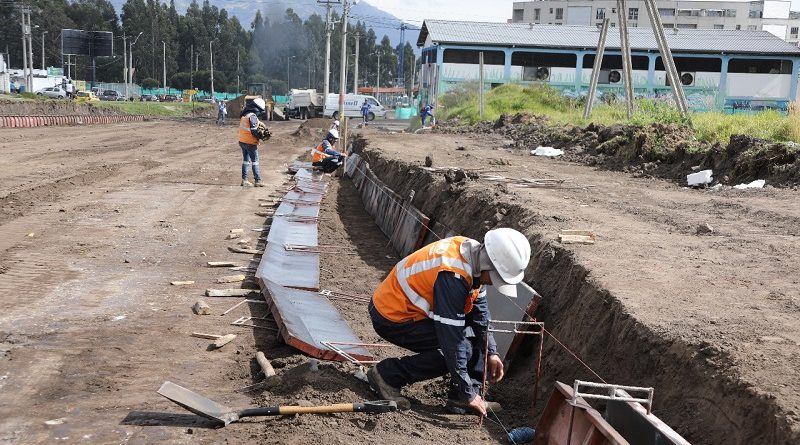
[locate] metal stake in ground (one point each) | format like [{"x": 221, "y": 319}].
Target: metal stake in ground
[{"x": 625, "y": 47}]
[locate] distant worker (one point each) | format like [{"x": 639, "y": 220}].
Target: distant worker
[
  {"x": 222, "y": 111},
  {"x": 335, "y": 125},
  {"x": 365, "y": 112},
  {"x": 251, "y": 132},
  {"x": 433, "y": 304},
  {"x": 324, "y": 156},
  {"x": 426, "y": 113},
  {"x": 70, "y": 89}
]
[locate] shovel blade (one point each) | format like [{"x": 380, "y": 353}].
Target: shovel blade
[{"x": 198, "y": 404}]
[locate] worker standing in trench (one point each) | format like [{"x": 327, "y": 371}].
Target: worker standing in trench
[{"x": 433, "y": 304}]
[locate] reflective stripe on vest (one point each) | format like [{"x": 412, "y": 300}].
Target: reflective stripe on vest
[
  {"x": 318, "y": 154},
  {"x": 407, "y": 293},
  {"x": 244, "y": 131}
]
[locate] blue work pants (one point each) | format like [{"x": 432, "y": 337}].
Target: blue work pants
[{"x": 250, "y": 158}]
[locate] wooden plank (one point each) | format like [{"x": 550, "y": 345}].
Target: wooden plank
[
  {"x": 224, "y": 340},
  {"x": 181, "y": 283},
  {"x": 222, "y": 264},
  {"x": 247, "y": 251},
  {"x": 231, "y": 278},
  {"x": 206, "y": 336},
  {"x": 231, "y": 292},
  {"x": 266, "y": 366},
  {"x": 576, "y": 239}
]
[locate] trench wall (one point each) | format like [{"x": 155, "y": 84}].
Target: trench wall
[{"x": 697, "y": 391}]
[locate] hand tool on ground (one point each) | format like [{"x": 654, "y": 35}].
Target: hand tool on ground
[{"x": 210, "y": 409}]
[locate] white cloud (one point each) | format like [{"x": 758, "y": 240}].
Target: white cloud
[{"x": 472, "y": 10}]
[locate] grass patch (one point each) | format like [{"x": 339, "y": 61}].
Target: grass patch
[
  {"x": 162, "y": 109},
  {"x": 709, "y": 127}
]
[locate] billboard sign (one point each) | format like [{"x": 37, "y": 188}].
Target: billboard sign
[{"x": 87, "y": 43}]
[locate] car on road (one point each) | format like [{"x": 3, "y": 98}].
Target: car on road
[
  {"x": 86, "y": 96},
  {"x": 52, "y": 92},
  {"x": 112, "y": 95},
  {"x": 148, "y": 98},
  {"x": 170, "y": 98}
]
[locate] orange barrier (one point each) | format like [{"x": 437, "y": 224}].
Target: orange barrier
[{"x": 45, "y": 121}]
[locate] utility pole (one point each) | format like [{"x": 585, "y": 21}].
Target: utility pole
[
  {"x": 288, "y": 58},
  {"x": 25, "y": 52},
  {"x": 30, "y": 48},
  {"x": 124, "y": 62},
  {"x": 627, "y": 74},
  {"x": 43, "y": 33},
  {"x": 480, "y": 84},
  {"x": 328, "y": 30},
  {"x": 357, "y": 36},
  {"x": 211, "y": 62},
  {"x": 130, "y": 55},
  {"x": 164, "y": 65},
  {"x": 343, "y": 64},
  {"x": 378, "y": 83}
]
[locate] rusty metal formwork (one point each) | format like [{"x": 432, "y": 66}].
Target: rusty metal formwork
[{"x": 307, "y": 320}]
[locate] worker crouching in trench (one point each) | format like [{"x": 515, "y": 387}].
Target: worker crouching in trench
[
  {"x": 324, "y": 156},
  {"x": 433, "y": 303}
]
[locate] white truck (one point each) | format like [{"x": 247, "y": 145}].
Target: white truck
[
  {"x": 303, "y": 104},
  {"x": 352, "y": 106}
]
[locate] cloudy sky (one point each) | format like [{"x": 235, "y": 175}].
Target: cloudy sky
[{"x": 474, "y": 10}]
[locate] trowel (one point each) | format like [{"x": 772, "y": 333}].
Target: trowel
[{"x": 210, "y": 409}]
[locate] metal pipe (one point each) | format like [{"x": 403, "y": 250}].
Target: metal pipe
[{"x": 598, "y": 63}]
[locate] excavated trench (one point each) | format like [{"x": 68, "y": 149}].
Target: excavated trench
[{"x": 697, "y": 391}]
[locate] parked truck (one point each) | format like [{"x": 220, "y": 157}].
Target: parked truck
[{"x": 304, "y": 104}]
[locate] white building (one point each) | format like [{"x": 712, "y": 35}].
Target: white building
[{"x": 773, "y": 16}]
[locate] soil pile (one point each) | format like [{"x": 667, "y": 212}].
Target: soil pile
[
  {"x": 53, "y": 108},
  {"x": 666, "y": 151}
]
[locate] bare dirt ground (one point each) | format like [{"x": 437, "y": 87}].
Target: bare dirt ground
[
  {"x": 727, "y": 299},
  {"x": 91, "y": 326}
]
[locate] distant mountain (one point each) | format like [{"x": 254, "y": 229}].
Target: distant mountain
[{"x": 380, "y": 21}]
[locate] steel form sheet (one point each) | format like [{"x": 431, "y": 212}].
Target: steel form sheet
[
  {"x": 290, "y": 269},
  {"x": 288, "y": 209},
  {"x": 307, "y": 319},
  {"x": 282, "y": 231},
  {"x": 506, "y": 308}
]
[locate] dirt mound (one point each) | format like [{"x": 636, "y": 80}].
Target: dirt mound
[
  {"x": 312, "y": 130},
  {"x": 666, "y": 151},
  {"x": 53, "y": 108},
  {"x": 317, "y": 122}
]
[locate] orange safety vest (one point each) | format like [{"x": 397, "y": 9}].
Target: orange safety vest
[
  {"x": 318, "y": 153},
  {"x": 407, "y": 293},
  {"x": 244, "y": 131}
]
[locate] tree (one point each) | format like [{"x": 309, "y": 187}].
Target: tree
[{"x": 149, "y": 83}]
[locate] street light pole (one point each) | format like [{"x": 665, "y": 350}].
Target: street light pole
[
  {"x": 164, "y": 66},
  {"x": 43, "y": 33},
  {"x": 130, "y": 54},
  {"x": 288, "y": 58},
  {"x": 124, "y": 63},
  {"x": 357, "y": 36},
  {"x": 378, "y": 83},
  {"x": 343, "y": 64},
  {"x": 211, "y": 62}
]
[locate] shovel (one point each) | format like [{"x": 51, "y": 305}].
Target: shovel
[{"x": 210, "y": 409}]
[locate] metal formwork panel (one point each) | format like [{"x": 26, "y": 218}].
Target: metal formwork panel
[
  {"x": 511, "y": 309},
  {"x": 283, "y": 231},
  {"x": 351, "y": 165},
  {"x": 410, "y": 231},
  {"x": 302, "y": 196},
  {"x": 287, "y": 210},
  {"x": 309, "y": 174},
  {"x": 290, "y": 269},
  {"x": 306, "y": 319}
]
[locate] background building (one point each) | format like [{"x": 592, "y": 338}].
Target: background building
[
  {"x": 772, "y": 16},
  {"x": 719, "y": 69}
]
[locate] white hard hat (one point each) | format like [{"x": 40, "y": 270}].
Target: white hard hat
[
  {"x": 509, "y": 252},
  {"x": 336, "y": 122},
  {"x": 259, "y": 102},
  {"x": 333, "y": 133}
]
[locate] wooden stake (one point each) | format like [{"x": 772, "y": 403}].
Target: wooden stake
[{"x": 266, "y": 366}]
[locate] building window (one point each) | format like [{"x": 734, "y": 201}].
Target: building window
[
  {"x": 614, "y": 62},
  {"x": 738, "y": 27},
  {"x": 760, "y": 66},
  {"x": 613, "y": 10},
  {"x": 536, "y": 64},
  {"x": 600, "y": 14},
  {"x": 714, "y": 13},
  {"x": 793, "y": 32},
  {"x": 666, "y": 12},
  {"x": 537, "y": 14},
  {"x": 688, "y": 13},
  {"x": 682, "y": 64},
  {"x": 686, "y": 26},
  {"x": 719, "y": 26},
  {"x": 755, "y": 14},
  {"x": 667, "y": 25},
  {"x": 729, "y": 12},
  {"x": 633, "y": 13},
  {"x": 551, "y": 10},
  {"x": 471, "y": 56},
  {"x": 752, "y": 27},
  {"x": 559, "y": 13},
  {"x": 518, "y": 14}
]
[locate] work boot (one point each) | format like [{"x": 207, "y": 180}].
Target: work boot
[
  {"x": 386, "y": 391},
  {"x": 259, "y": 184},
  {"x": 246, "y": 183},
  {"x": 459, "y": 407}
]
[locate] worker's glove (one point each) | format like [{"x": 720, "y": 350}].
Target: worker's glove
[{"x": 263, "y": 131}]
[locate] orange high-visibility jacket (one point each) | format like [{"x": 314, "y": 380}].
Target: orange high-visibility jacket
[
  {"x": 407, "y": 293},
  {"x": 244, "y": 131},
  {"x": 318, "y": 153}
]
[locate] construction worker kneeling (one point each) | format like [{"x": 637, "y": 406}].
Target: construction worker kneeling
[
  {"x": 433, "y": 304},
  {"x": 324, "y": 156}
]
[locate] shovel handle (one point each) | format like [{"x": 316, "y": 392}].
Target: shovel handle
[{"x": 379, "y": 406}]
